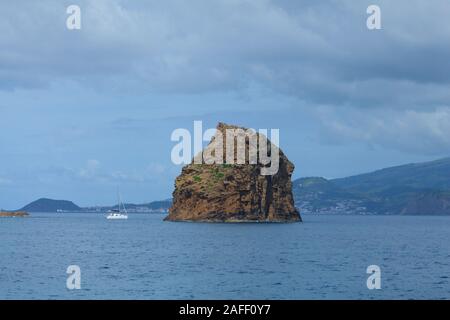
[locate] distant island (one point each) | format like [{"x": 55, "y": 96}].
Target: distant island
[
  {"x": 49, "y": 205},
  {"x": 412, "y": 189}
]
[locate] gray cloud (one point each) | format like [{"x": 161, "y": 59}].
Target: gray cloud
[{"x": 320, "y": 53}]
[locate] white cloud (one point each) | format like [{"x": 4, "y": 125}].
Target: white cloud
[
  {"x": 94, "y": 172},
  {"x": 5, "y": 181},
  {"x": 90, "y": 170},
  {"x": 156, "y": 168},
  {"x": 419, "y": 132}
]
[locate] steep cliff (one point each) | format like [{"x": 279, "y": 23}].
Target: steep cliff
[{"x": 429, "y": 203}]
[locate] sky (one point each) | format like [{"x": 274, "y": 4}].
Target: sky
[{"x": 85, "y": 111}]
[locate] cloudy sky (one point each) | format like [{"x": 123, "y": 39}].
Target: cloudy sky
[{"x": 84, "y": 111}]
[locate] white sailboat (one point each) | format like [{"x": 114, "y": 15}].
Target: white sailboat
[{"x": 120, "y": 213}]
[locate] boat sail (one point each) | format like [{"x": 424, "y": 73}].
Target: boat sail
[{"x": 120, "y": 213}]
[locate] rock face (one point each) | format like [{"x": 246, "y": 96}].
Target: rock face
[
  {"x": 429, "y": 203},
  {"x": 234, "y": 192}
]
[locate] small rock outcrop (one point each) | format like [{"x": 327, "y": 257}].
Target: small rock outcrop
[
  {"x": 13, "y": 214},
  {"x": 234, "y": 192}
]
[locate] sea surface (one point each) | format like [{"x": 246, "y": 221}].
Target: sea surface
[{"x": 325, "y": 257}]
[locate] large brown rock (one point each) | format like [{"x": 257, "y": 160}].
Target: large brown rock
[{"x": 234, "y": 192}]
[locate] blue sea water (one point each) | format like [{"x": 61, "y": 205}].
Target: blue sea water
[{"x": 325, "y": 257}]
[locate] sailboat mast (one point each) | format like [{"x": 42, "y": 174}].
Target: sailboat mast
[{"x": 118, "y": 199}]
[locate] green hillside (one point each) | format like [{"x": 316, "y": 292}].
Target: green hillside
[
  {"x": 419, "y": 188},
  {"x": 433, "y": 175}
]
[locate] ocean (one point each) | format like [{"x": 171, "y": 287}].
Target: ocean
[{"x": 325, "y": 257}]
